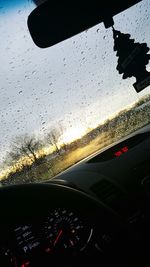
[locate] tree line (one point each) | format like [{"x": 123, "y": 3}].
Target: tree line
[{"x": 27, "y": 149}]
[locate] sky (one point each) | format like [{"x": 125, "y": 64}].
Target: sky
[{"x": 74, "y": 84}]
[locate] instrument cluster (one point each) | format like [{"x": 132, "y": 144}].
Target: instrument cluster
[{"x": 63, "y": 234}]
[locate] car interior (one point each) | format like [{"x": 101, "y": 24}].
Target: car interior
[{"x": 96, "y": 212}]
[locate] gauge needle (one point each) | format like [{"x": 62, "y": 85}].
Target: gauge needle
[
  {"x": 57, "y": 238},
  {"x": 71, "y": 242}
]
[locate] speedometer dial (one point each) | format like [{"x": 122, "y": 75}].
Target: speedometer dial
[{"x": 66, "y": 232}]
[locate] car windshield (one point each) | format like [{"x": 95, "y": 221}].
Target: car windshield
[{"x": 60, "y": 104}]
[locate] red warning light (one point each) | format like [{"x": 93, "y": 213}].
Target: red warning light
[
  {"x": 125, "y": 149},
  {"x": 121, "y": 151},
  {"x": 25, "y": 264},
  {"x": 118, "y": 153}
]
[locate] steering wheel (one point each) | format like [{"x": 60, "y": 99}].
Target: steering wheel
[{"x": 56, "y": 219}]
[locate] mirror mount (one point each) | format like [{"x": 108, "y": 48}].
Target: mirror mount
[{"x": 109, "y": 22}]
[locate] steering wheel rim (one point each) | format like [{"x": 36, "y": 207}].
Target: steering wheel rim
[{"x": 22, "y": 197}]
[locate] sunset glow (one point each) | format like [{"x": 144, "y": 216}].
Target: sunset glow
[{"x": 72, "y": 134}]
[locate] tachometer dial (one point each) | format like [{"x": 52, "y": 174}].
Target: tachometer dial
[{"x": 65, "y": 231}]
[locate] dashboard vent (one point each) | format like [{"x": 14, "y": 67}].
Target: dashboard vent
[
  {"x": 115, "y": 198},
  {"x": 106, "y": 191}
]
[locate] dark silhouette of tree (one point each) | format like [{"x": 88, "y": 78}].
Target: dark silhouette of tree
[
  {"x": 133, "y": 59},
  {"x": 25, "y": 146},
  {"x": 52, "y": 139},
  {"x": 53, "y": 136}
]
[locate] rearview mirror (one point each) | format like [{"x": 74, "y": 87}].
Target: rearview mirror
[{"x": 54, "y": 21}]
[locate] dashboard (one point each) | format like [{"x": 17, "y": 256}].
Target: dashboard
[
  {"x": 116, "y": 175},
  {"x": 90, "y": 213}
]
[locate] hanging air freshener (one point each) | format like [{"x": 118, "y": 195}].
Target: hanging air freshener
[{"x": 133, "y": 58}]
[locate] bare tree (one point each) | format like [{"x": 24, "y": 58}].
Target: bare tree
[
  {"x": 25, "y": 146},
  {"x": 53, "y": 136},
  {"x": 52, "y": 139}
]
